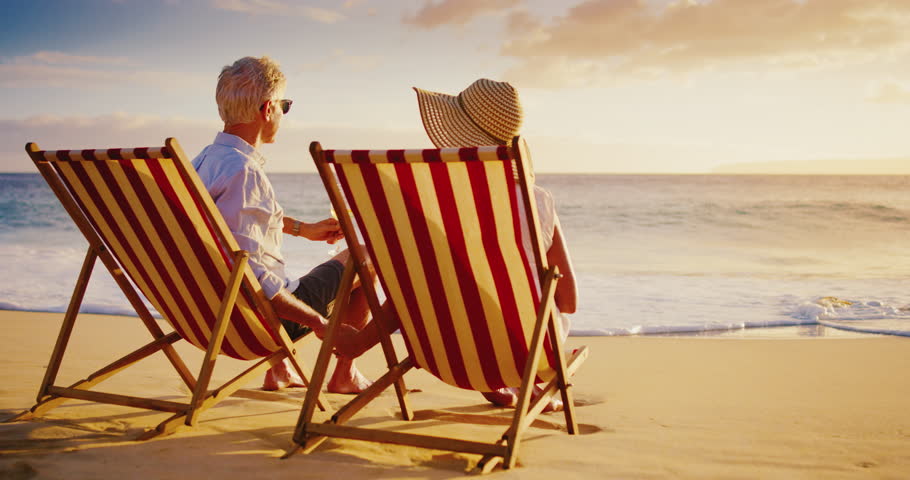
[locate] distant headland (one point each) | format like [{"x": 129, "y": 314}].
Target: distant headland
[{"x": 888, "y": 166}]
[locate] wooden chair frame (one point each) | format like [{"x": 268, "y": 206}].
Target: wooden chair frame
[
  {"x": 51, "y": 395},
  {"x": 309, "y": 434}
]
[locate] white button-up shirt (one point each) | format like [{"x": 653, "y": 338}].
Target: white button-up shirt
[{"x": 231, "y": 170}]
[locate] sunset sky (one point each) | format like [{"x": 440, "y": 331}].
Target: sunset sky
[{"x": 620, "y": 86}]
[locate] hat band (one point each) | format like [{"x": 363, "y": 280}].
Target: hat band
[{"x": 468, "y": 113}]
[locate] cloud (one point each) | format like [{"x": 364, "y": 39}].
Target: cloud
[
  {"x": 559, "y": 72},
  {"x": 362, "y": 63},
  {"x": 63, "y": 70},
  {"x": 339, "y": 58},
  {"x": 54, "y": 132},
  {"x": 456, "y": 12},
  {"x": 121, "y": 130},
  {"x": 635, "y": 37},
  {"x": 888, "y": 91},
  {"x": 279, "y": 8},
  {"x": 60, "y": 58}
]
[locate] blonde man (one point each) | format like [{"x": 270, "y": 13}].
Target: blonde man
[{"x": 249, "y": 96}]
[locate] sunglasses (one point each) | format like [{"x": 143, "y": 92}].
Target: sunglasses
[{"x": 285, "y": 105}]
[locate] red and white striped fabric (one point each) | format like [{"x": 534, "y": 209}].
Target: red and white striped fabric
[
  {"x": 147, "y": 208},
  {"x": 442, "y": 227}
]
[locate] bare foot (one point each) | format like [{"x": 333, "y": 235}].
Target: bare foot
[
  {"x": 508, "y": 397},
  {"x": 347, "y": 381},
  {"x": 281, "y": 376},
  {"x": 504, "y": 397},
  {"x": 554, "y": 405}
]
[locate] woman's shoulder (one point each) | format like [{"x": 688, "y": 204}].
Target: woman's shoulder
[{"x": 544, "y": 198}]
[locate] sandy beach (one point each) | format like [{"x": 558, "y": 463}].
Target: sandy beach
[{"x": 670, "y": 407}]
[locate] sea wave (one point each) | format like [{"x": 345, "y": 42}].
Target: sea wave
[
  {"x": 736, "y": 215},
  {"x": 861, "y": 316},
  {"x": 653, "y": 255},
  {"x": 88, "y": 308},
  {"x": 891, "y": 321}
]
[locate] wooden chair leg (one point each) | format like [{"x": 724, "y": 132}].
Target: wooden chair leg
[
  {"x": 290, "y": 350},
  {"x": 69, "y": 320},
  {"x": 388, "y": 349},
  {"x": 175, "y": 423},
  {"x": 516, "y": 430},
  {"x": 391, "y": 377},
  {"x": 53, "y": 400},
  {"x": 391, "y": 358},
  {"x": 218, "y": 332},
  {"x": 563, "y": 382},
  {"x": 325, "y": 354},
  {"x": 145, "y": 316}
]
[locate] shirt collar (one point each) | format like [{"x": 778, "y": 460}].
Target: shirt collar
[{"x": 233, "y": 141}]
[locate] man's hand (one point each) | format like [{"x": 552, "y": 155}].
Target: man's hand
[
  {"x": 328, "y": 230},
  {"x": 289, "y": 307}
]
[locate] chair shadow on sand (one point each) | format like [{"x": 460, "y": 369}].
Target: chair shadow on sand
[{"x": 32, "y": 448}]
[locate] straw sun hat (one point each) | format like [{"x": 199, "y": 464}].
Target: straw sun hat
[{"x": 485, "y": 113}]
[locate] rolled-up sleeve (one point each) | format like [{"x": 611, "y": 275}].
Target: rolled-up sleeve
[
  {"x": 247, "y": 208},
  {"x": 546, "y": 213}
]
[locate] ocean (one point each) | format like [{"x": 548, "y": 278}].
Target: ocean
[{"x": 653, "y": 254}]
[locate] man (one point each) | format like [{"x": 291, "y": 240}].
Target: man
[{"x": 249, "y": 96}]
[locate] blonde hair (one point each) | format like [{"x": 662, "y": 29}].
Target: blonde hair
[{"x": 244, "y": 86}]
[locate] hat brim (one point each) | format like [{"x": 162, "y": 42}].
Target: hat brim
[{"x": 446, "y": 122}]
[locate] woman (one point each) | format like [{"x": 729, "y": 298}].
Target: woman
[{"x": 489, "y": 113}]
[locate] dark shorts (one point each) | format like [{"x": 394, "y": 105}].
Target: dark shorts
[{"x": 317, "y": 289}]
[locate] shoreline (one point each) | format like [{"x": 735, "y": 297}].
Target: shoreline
[
  {"x": 794, "y": 330},
  {"x": 648, "y": 407}
]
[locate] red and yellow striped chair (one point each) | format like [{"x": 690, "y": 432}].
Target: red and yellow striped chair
[
  {"x": 149, "y": 219},
  {"x": 442, "y": 229}
]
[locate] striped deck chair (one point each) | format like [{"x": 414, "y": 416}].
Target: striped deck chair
[
  {"x": 151, "y": 222},
  {"x": 442, "y": 229}
]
